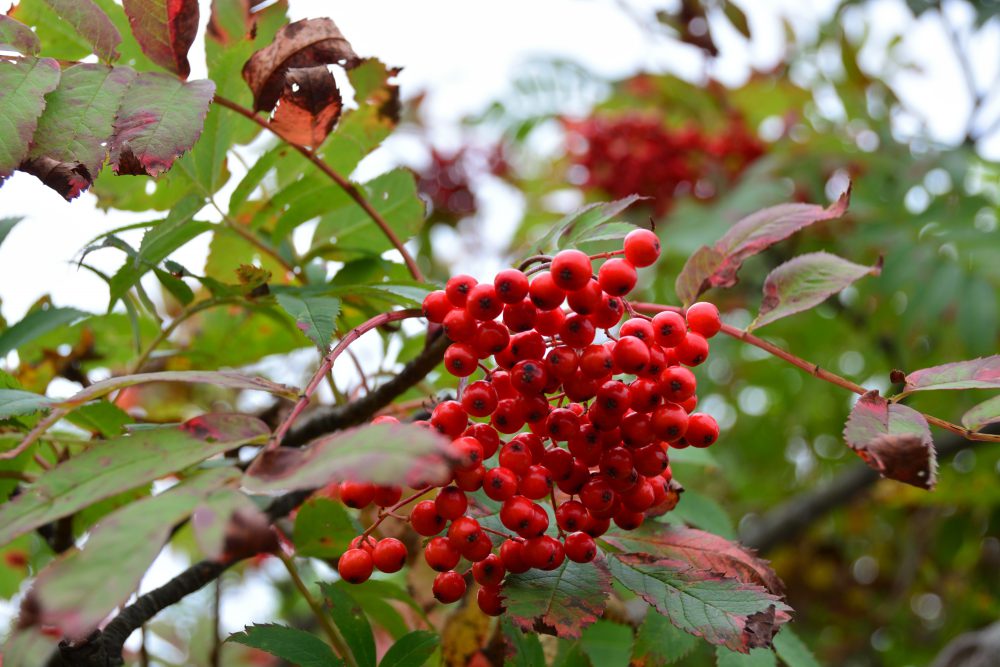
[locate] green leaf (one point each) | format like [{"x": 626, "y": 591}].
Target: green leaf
[
  {"x": 254, "y": 176},
  {"x": 522, "y": 648},
  {"x": 14, "y": 402},
  {"x": 987, "y": 412},
  {"x": 608, "y": 644},
  {"x": 978, "y": 316},
  {"x": 413, "y": 650},
  {"x": 658, "y": 642},
  {"x": 92, "y": 24},
  {"x": 792, "y": 651},
  {"x": 110, "y": 467},
  {"x": 724, "y": 611},
  {"x": 78, "y": 590},
  {"x": 892, "y": 439},
  {"x": 807, "y": 281},
  {"x": 373, "y": 595},
  {"x": 37, "y": 323},
  {"x": 981, "y": 373},
  {"x": 566, "y": 599},
  {"x": 159, "y": 119},
  {"x": 736, "y": 17},
  {"x": 6, "y": 225},
  {"x": 101, "y": 417},
  {"x": 315, "y": 316},
  {"x": 25, "y": 83},
  {"x": 570, "y": 654},
  {"x": 296, "y": 646},
  {"x": 580, "y": 224},
  {"x": 350, "y": 619},
  {"x": 758, "y": 657},
  {"x": 323, "y": 528},
  {"x": 15, "y": 36},
  {"x": 377, "y": 453}
]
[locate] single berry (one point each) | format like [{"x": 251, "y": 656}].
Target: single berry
[
  {"x": 355, "y": 566},
  {"x": 617, "y": 277},
  {"x": 425, "y": 519},
  {"x": 448, "y": 587},
  {"x": 702, "y": 430},
  {"x": 669, "y": 328},
  {"x": 442, "y": 554},
  {"x": 642, "y": 248},
  {"x": 489, "y": 571},
  {"x": 500, "y": 484},
  {"x": 357, "y": 495},
  {"x": 580, "y": 547},
  {"x": 703, "y": 318},
  {"x": 571, "y": 270},
  {"x": 511, "y": 285},
  {"x": 436, "y": 306},
  {"x": 693, "y": 350},
  {"x": 490, "y": 600},
  {"x": 460, "y": 359},
  {"x": 544, "y": 292},
  {"x": 451, "y": 503},
  {"x": 457, "y": 288},
  {"x": 389, "y": 555},
  {"x": 483, "y": 303}
]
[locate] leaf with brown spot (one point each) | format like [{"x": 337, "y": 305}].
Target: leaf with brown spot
[
  {"x": 700, "y": 550},
  {"x": 15, "y": 36},
  {"x": 90, "y": 22},
  {"x": 165, "y": 30},
  {"x": 304, "y": 43},
  {"x": 24, "y": 83},
  {"x": 892, "y": 439},
  {"x": 562, "y": 601},
  {"x": 717, "y": 266},
  {"x": 309, "y": 106}
]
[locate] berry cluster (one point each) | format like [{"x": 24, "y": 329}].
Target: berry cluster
[
  {"x": 560, "y": 417},
  {"x": 639, "y": 154}
]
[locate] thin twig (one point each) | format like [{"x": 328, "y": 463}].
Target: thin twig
[
  {"x": 258, "y": 243},
  {"x": 345, "y": 185},
  {"x": 324, "y": 621}
]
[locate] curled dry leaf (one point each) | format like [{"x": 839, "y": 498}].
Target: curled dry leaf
[
  {"x": 309, "y": 106},
  {"x": 892, "y": 439},
  {"x": 305, "y": 43},
  {"x": 69, "y": 179}
]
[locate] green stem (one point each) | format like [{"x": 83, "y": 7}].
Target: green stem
[{"x": 324, "y": 621}]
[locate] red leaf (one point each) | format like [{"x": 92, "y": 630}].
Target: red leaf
[
  {"x": 92, "y": 24},
  {"x": 717, "y": 266},
  {"x": 700, "y": 550},
  {"x": 165, "y": 30},
  {"x": 305, "y": 43},
  {"x": 892, "y": 439},
  {"x": 309, "y": 106},
  {"x": 160, "y": 118},
  {"x": 974, "y": 374}
]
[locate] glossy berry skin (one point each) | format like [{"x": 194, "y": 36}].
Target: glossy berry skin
[
  {"x": 468, "y": 452},
  {"x": 609, "y": 313},
  {"x": 460, "y": 359},
  {"x": 617, "y": 277},
  {"x": 436, "y": 306},
  {"x": 561, "y": 362},
  {"x": 491, "y": 338},
  {"x": 364, "y": 542},
  {"x": 425, "y": 519},
  {"x": 355, "y": 566},
  {"x": 451, "y": 503},
  {"x": 389, "y": 555},
  {"x": 500, "y": 484},
  {"x": 449, "y": 418},
  {"x": 642, "y": 248},
  {"x": 550, "y": 322},
  {"x": 638, "y": 328},
  {"x": 448, "y": 587},
  {"x": 544, "y": 292},
  {"x": 520, "y": 316},
  {"x": 544, "y": 552},
  {"x": 511, "y": 286},
  {"x": 480, "y": 399},
  {"x": 572, "y": 515},
  {"x": 693, "y": 350},
  {"x": 669, "y": 328},
  {"x": 703, "y": 318},
  {"x": 631, "y": 354},
  {"x": 490, "y": 571},
  {"x": 490, "y": 600},
  {"x": 478, "y": 548},
  {"x": 512, "y": 556},
  {"x": 441, "y": 554},
  {"x": 460, "y": 326},
  {"x": 464, "y": 530},
  {"x": 586, "y": 300},
  {"x": 387, "y": 496},
  {"x": 702, "y": 430},
  {"x": 457, "y": 288},
  {"x": 357, "y": 495},
  {"x": 577, "y": 331},
  {"x": 580, "y": 547},
  {"x": 677, "y": 384},
  {"x": 571, "y": 270},
  {"x": 536, "y": 482},
  {"x": 483, "y": 303},
  {"x": 597, "y": 494}
]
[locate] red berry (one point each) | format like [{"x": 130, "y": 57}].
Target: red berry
[
  {"x": 703, "y": 318},
  {"x": 389, "y": 555},
  {"x": 642, "y": 248},
  {"x": 355, "y": 566},
  {"x": 639, "y": 328},
  {"x": 702, "y": 430},
  {"x": 669, "y": 328},
  {"x": 442, "y": 554},
  {"x": 571, "y": 270},
  {"x": 511, "y": 286},
  {"x": 460, "y": 359},
  {"x": 640, "y": 498},
  {"x": 580, "y": 547},
  {"x": 693, "y": 350},
  {"x": 520, "y": 316},
  {"x": 617, "y": 277},
  {"x": 669, "y": 422},
  {"x": 425, "y": 519},
  {"x": 597, "y": 494},
  {"x": 487, "y": 437},
  {"x": 609, "y": 313},
  {"x": 559, "y": 462},
  {"x": 477, "y": 548},
  {"x": 357, "y": 494},
  {"x": 677, "y": 384},
  {"x": 457, "y": 288},
  {"x": 572, "y": 515},
  {"x": 527, "y": 345},
  {"x": 500, "y": 484},
  {"x": 468, "y": 452},
  {"x": 516, "y": 512},
  {"x": 366, "y": 542},
  {"x": 577, "y": 331},
  {"x": 544, "y": 292},
  {"x": 626, "y": 519},
  {"x": 631, "y": 354},
  {"x": 470, "y": 479},
  {"x": 596, "y": 361},
  {"x": 516, "y": 457},
  {"x": 508, "y": 416},
  {"x": 483, "y": 303},
  {"x": 451, "y": 503},
  {"x": 448, "y": 587},
  {"x": 585, "y": 300},
  {"x": 536, "y": 482},
  {"x": 512, "y": 555},
  {"x": 614, "y": 397},
  {"x": 561, "y": 362},
  {"x": 463, "y": 530},
  {"x": 650, "y": 460},
  {"x": 644, "y": 394},
  {"x": 562, "y": 424},
  {"x": 489, "y": 571},
  {"x": 387, "y": 496},
  {"x": 460, "y": 326},
  {"x": 528, "y": 377},
  {"x": 616, "y": 463},
  {"x": 436, "y": 306},
  {"x": 449, "y": 418},
  {"x": 491, "y": 338},
  {"x": 550, "y": 322},
  {"x": 636, "y": 430},
  {"x": 544, "y": 552},
  {"x": 490, "y": 600},
  {"x": 479, "y": 399}
]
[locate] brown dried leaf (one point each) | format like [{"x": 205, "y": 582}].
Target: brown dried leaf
[
  {"x": 309, "y": 107},
  {"x": 67, "y": 178}
]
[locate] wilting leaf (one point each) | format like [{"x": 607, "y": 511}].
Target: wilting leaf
[
  {"x": 892, "y": 439},
  {"x": 165, "y": 29},
  {"x": 25, "y": 83},
  {"x": 607, "y": 644},
  {"x": 562, "y": 601},
  {"x": 412, "y": 650},
  {"x": 973, "y": 374},
  {"x": 14, "y": 402},
  {"x": 352, "y": 623},
  {"x": 723, "y": 610},
  {"x": 223, "y": 521},
  {"x": 110, "y": 467},
  {"x": 91, "y": 23},
  {"x": 296, "y": 646},
  {"x": 309, "y": 106},
  {"x": 304, "y": 43},
  {"x": 78, "y": 590},
  {"x": 70, "y": 144},
  {"x": 806, "y": 281},
  {"x": 581, "y": 222},
  {"x": 160, "y": 118},
  {"x": 700, "y": 551},
  {"x": 315, "y": 316},
  {"x": 792, "y": 650},
  {"x": 323, "y": 528},
  {"x": 758, "y": 657},
  {"x": 987, "y": 412},
  {"x": 15, "y": 36},
  {"x": 659, "y": 642},
  {"x": 717, "y": 266},
  {"x": 378, "y": 453},
  {"x": 37, "y": 323}
]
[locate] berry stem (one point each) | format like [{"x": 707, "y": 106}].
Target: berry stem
[
  {"x": 497, "y": 532},
  {"x": 324, "y": 621},
  {"x": 386, "y": 512},
  {"x": 607, "y": 255},
  {"x": 327, "y": 366},
  {"x": 534, "y": 259}
]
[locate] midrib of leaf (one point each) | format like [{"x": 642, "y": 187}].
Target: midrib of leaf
[{"x": 312, "y": 322}]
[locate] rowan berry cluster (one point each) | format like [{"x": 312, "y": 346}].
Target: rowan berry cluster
[
  {"x": 639, "y": 154},
  {"x": 560, "y": 417}
]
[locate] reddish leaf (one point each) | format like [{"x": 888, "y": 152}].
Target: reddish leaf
[
  {"x": 229, "y": 21},
  {"x": 717, "y": 266},
  {"x": 160, "y": 119},
  {"x": 974, "y": 374},
  {"x": 309, "y": 106},
  {"x": 806, "y": 281},
  {"x": 892, "y": 439},
  {"x": 723, "y": 610},
  {"x": 987, "y": 412},
  {"x": 562, "y": 601},
  {"x": 91, "y": 23},
  {"x": 24, "y": 83},
  {"x": 305, "y": 43},
  {"x": 165, "y": 29},
  {"x": 380, "y": 453},
  {"x": 70, "y": 144},
  {"x": 699, "y": 550},
  {"x": 15, "y": 36}
]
